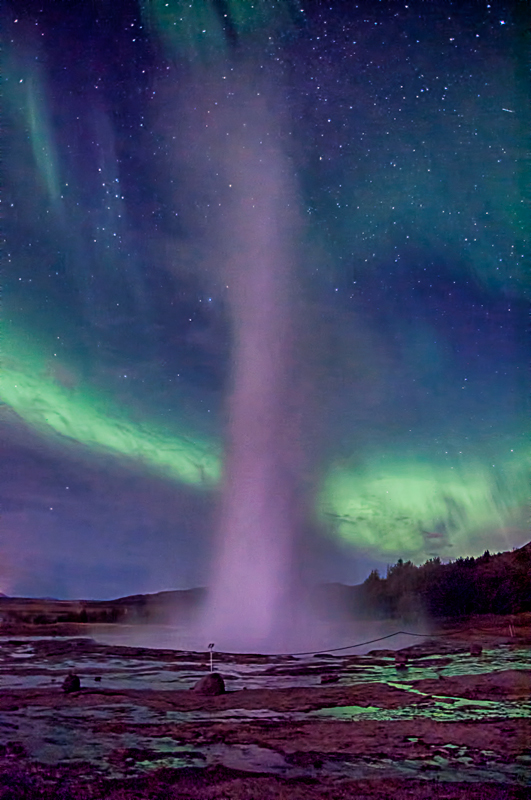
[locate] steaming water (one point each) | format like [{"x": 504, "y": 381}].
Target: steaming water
[{"x": 251, "y": 598}]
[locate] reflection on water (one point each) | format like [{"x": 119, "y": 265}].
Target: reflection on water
[
  {"x": 322, "y": 633},
  {"x": 439, "y": 708},
  {"x": 432, "y": 667}
]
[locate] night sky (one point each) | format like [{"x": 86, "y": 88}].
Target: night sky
[{"x": 404, "y": 127}]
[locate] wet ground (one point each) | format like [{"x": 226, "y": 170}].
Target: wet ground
[{"x": 333, "y": 725}]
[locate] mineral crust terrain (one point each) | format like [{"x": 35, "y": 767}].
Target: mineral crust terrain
[{"x": 447, "y": 717}]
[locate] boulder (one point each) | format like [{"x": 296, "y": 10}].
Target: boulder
[
  {"x": 330, "y": 677},
  {"x": 71, "y": 683},
  {"x": 401, "y": 660},
  {"x": 210, "y": 684},
  {"x": 476, "y": 649}
]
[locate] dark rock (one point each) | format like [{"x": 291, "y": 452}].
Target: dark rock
[
  {"x": 476, "y": 649},
  {"x": 381, "y": 653},
  {"x": 15, "y": 750},
  {"x": 71, "y": 683},
  {"x": 400, "y": 660},
  {"x": 210, "y": 684},
  {"x": 305, "y": 759},
  {"x": 330, "y": 677}
]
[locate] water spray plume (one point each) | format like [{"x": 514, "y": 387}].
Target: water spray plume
[{"x": 251, "y": 588}]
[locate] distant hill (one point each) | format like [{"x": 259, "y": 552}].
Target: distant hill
[
  {"x": 175, "y": 596},
  {"x": 158, "y": 607}
]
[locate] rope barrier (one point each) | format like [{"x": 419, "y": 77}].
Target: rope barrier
[
  {"x": 442, "y": 635},
  {"x": 350, "y": 646}
]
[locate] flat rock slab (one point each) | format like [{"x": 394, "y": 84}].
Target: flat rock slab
[{"x": 509, "y": 683}]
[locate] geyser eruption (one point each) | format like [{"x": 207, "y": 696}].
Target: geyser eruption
[{"x": 252, "y": 588}]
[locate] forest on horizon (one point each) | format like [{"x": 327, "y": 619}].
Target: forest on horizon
[{"x": 489, "y": 584}]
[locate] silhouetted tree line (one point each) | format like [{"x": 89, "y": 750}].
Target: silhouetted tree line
[
  {"x": 490, "y": 584},
  {"x": 111, "y": 615}
]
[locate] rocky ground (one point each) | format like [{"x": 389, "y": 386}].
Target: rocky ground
[{"x": 434, "y": 720}]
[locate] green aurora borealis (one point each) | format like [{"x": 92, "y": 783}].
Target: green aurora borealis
[
  {"x": 385, "y": 507},
  {"x": 96, "y": 422}
]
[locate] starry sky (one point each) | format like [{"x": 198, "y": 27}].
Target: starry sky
[{"x": 403, "y": 129}]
